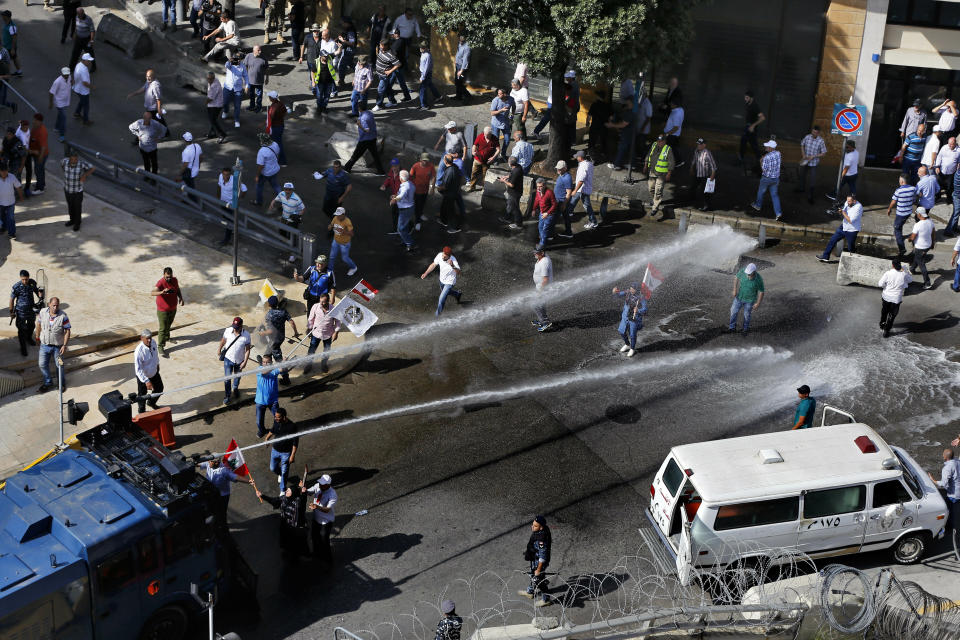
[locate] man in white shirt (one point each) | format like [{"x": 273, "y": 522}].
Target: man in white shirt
[
  {"x": 234, "y": 352},
  {"x": 406, "y": 27},
  {"x": 268, "y": 166},
  {"x": 521, "y": 99},
  {"x": 190, "y": 162},
  {"x": 948, "y": 116},
  {"x": 146, "y": 368},
  {"x": 291, "y": 205},
  {"x": 923, "y": 236},
  {"x": 60, "y": 98},
  {"x": 946, "y": 166},
  {"x": 893, "y": 283},
  {"x": 852, "y": 213},
  {"x": 324, "y": 500},
  {"x": 674, "y": 125},
  {"x": 542, "y": 276},
  {"x": 82, "y": 86},
  {"x": 930, "y": 150},
  {"x": 582, "y": 188},
  {"x": 228, "y": 39},
  {"x": 449, "y": 270},
  {"x": 225, "y": 183},
  {"x": 152, "y": 96},
  {"x": 849, "y": 171}
]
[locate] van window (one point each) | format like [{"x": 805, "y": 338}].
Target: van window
[
  {"x": 672, "y": 477},
  {"x": 177, "y": 542},
  {"x": 754, "y": 514},
  {"x": 147, "y": 557},
  {"x": 890, "y": 492},
  {"x": 831, "y": 502},
  {"x": 909, "y": 478},
  {"x": 116, "y": 571}
]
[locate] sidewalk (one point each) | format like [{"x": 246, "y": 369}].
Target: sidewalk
[{"x": 103, "y": 276}]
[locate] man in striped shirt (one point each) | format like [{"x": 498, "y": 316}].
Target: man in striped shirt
[
  {"x": 703, "y": 167},
  {"x": 769, "y": 178},
  {"x": 912, "y": 150},
  {"x": 903, "y": 198},
  {"x": 812, "y": 148},
  {"x": 291, "y": 204}
]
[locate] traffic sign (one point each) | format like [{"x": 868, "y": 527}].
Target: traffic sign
[{"x": 848, "y": 119}]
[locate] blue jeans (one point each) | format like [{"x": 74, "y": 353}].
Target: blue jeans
[
  {"x": 170, "y": 8},
  {"x": 956, "y": 277},
  {"x": 574, "y": 199},
  {"x": 404, "y": 225},
  {"x": 261, "y": 410},
  {"x": 849, "y": 238},
  {"x": 314, "y": 343},
  {"x": 427, "y": 85},
  {"x": 274, "y": 184},
  {"x": 545, "y": 226},
  {"x": 628, "y": 331},
  {"x": 276, "y": 134},
  {"x": 503, "y": 137},
  {"x": 40, "y": 168},
  {"x": 7, "y": 219},
  {"x": 898, "y": 232},
  {"x": 230, "y": 368},
  {"x": 623, "y": 147},
  {"x": 322, "y": 93},
  {"x": 735, "y": 308},
  {"x": 772, "y": 184},
  {"x": 280, "y": 465},
  {"x": 544, "y": 121},
  {"x": 355, "y": 98},
  {"x": 61, "y": 124},
  {"x": 343, "y": 251},
  {"x": 385, "y": 90},
  {"x": 83, "y": 107},
  {"x": 49, "y": 352},
  {"x": 256, "y": 97},
  {"x": 235, "y": 98},
  {"x": 955, "y": 218},
  {"x": 445, "y": 290}
]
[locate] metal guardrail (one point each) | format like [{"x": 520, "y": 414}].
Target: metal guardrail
[
  {"x": 339, "y": 633},
  {"x": 10, "y": 88},
  {"x": 252, "y": 225}
]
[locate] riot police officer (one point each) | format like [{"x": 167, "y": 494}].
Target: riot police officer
[
  {"x": 448, "y": 628},
  {"x": 22, "y": 308},
  {"x": 538, "y": 555}
]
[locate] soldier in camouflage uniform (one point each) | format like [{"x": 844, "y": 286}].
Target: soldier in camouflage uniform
[
  {"x": 449, "y": 626},
  {"x": 273, "y": 16}
]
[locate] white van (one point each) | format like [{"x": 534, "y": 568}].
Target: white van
[{"x": 824, "y": 491}]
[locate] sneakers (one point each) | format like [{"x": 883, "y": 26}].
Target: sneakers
[
  {"x": 452, "y": 231},
  {"x": 416, "y": 227},
  {"x": 525, "y": 594},
  {"x": 821, "y": 258},
  {"x": 393, "y": 233},
  {"x": 514, "y": 226},
  {"x": 565, "y": 235},
  {"x": 544, "y": 327},
  {"x": 542, "y": 603},
  {"x": 37, "y": 192},
  {"x": 236, "y": 125},
  {"x": 226, "y": 400},
  {"x": 589, "y": 226},
  {"x": 376, "y": 108},
  {"x": 624, "y": 348},
  {"x": 754, "y": 206},
  {"x": 927, "y": 285},
  {"x": 223, "y": 115},
  {"x": 777, "y": 218},
  {"x": 352, "y": 271},
  {"x": 44, "y": 388},
  {"x": 630, "y": 353}
]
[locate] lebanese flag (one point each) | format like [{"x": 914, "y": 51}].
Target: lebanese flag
[
  {"x": 651, "y": 280},
  {"x": 233, "y": 458},
  {"x": 365, "y": 290}
]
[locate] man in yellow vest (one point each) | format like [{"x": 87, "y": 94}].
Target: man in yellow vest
[
  {"x": 324, "y": 80},
  {"x": 658, "y": 167}
]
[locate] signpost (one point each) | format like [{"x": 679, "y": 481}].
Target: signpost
[{"x": 848, "y": 120}]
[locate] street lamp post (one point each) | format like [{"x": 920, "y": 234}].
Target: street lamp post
[{"x": 237, "y": 172}]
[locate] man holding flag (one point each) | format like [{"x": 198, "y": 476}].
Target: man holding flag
[
  {"x": 222, "y": 475},
  {"x": 353, "y": 315},
  {"x": 631, "y": 319}
]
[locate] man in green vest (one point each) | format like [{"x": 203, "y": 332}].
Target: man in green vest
[
  {"x": 658, "y": 167},
  {"x": 324, "y": 80}
]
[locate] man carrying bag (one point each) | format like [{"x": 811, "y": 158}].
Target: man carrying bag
[{"x": 234, "y": 357}]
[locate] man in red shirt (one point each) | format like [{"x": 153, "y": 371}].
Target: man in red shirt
[
  {"x": 424, "y": 177},
  {"x": 167, "y": 292},
  {"x": 37, "y": 154},
  {"x": 485, "y": 149},
  {"x": 544, "y": 208},
  {"x": 275, "y": 124}
]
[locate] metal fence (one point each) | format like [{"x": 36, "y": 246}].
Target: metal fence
[{"x": 252, "y": 225}]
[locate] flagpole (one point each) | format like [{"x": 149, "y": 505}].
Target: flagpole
[{"x": 254, "y": 483}]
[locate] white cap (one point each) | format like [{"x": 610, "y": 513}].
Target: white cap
[
  {"x": 570, "y": 74},
  {"x": 288, "y": 185},
  {"x": 936, "y": 128},
  {"x": 273, "y": 95},
  {"x": 921, "y": 212},
  {"x": 187, "y": 136},
  {"x": 87, "y": 57},
  {"x": 65, "y": 71},
  {"x": 325, "y": 479},
  {"x": 450, "y": 125},
  {"x": 561, "y": 164},
  {"x": 751, "y": 268},
  {"x": 340, "y": 212},
  {"x": 770, "y": 143}
]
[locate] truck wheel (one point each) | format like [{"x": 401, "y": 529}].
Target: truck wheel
[
  {"x": 168, "y": 623},
  {"x": 910, "y": 548}
]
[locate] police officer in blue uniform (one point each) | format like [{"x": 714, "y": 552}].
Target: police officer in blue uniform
[
  {"x": 537, "y": 554},
  {"x": 319, "y": 280},
  {"x": 22, "y": 308},
  {"x": 274, "y": 326},
  {"x": 448, "y": 628},
  {"x": 631, "y": 318}
]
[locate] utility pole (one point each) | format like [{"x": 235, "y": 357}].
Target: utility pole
[{"x": 237, "y": 173}]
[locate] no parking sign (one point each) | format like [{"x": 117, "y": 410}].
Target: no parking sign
[{"x": 848, "y": 119}]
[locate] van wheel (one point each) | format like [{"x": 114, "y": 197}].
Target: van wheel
[
  {"x": 910, "y": 548},
  {"x": 168, "y": 623}
]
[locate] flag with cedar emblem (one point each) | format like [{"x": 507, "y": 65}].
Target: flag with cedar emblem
[
  {"x": 651, "y": 280},
  {"x": 233, "y": 458},
  {"x": 365, "y": 290}
]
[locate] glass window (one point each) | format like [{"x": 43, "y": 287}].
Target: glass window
[
  {"x": 831, "y": 502},
  {"x": 753, "y": 514},
  {"x": 949, "y": 15},
  {"x": 923, "y": 12},
  {"x": 898, "y": 11},
  {"x": 177, "y": 542},
  {"x": 909, "y": 478},
  {"x": 116, "y": 571},
  {"x": 147, "y": 557},
  {"x": 890, "y": 492},
  {"x": 672, "y": 477}
]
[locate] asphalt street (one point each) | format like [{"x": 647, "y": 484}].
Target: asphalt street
[{"x": 450, "y": 493}]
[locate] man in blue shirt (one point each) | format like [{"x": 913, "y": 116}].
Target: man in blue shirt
[
  {"x": 426, "y": 75},
  {"x": 903, "y": 199},
  {"x": 912, "y": 151},
  {"x": 950, "y": 483},
  {"x": 461, "y": 64},
  {"x": 366, "y": 140},
  {"x": 500, "y": 111},
  {"x": 927, "y": 189},
  {"x": 338, "y": 186},
  {"x": 220, "y": 476},
  {"x": 803, "y": 415},
  {"x": 562, "y": 190},
  {"x": 319, "y": 280},
  {"x": 268, "y": 392}
]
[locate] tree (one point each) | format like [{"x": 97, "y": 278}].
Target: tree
[{"x": 603, "y": 40}]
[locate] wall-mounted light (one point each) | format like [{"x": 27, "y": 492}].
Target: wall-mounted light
[{"x": 875, "y": 57}]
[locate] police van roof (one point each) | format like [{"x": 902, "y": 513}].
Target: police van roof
[
  {"x": 734, "y": 469},
  {"x": 52, "y": 513}
]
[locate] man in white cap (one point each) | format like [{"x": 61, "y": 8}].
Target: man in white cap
[
  {"x": 852, "y": 213},
  {"x": 190, "y": 162},
  {"x": 448, "y": 628},
  {"x": 291, "y": 204},
  {"x": 82, "y": 85},
  {"x": 322, "y": 505},
  {"x": 59, "y": 97},
  {"x": 769, "y": 178},
  {"x": 923, "y": 236},
  {"x": 343, "y": 232},
  {"x": 563, "y": 191},
  {"x": 453, "y": 141},
  {"x": 747, "y": 295},
  {"x": 146, "y": 368}
]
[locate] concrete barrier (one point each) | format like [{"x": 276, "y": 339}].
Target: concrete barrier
[
  {"x": 343, "y": 145},
  {"x": 127, "y": 37},
  {"x": 856, "y": 268}
]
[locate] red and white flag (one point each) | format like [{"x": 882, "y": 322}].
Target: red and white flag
[
  {"x": 365, "y": 290},
  {"x": 233, "y": 458},
  {"x": 651, "y": 280}
]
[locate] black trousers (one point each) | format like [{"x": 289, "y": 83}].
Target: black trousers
[
  {"x": 513, "y": 208},
  {"x": 69, "y": 21},
  {"x": 79, "y": 44},
  {"x": 320, "y": 533},
  {"x": 888, "y": 312},
  {"x": 213, "y": 115},
  {"x": 749, "y": 138},
  {"x": 449, "y": 213},
  {"x": 920, "y": 262},
  {"x": 419, "y": 201},
  {"x": 74, "y": 206},
  {"x": 699, "y": 184},
  {"x": 142, "y": 391},
  {"x": 149, "y": 160},
  {"x": 25, "y": 327},
  {"x": 362, "y": 147}
]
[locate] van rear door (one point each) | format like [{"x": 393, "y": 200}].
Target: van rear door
[{"x": 664, "y": 493}]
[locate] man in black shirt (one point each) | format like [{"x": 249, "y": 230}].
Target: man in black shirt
[
  {"x": 752, "y": 119},
  {"x": 514, "y": 183},
  {"x": 22, "y": 308},
  {"x": 449, "y": 188},
  {"x": 283, "y": 452},
  {"x": 273, "y": 330}
]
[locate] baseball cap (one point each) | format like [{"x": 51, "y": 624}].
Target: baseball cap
[
  {"x": 394, "y": 160},
  {"x": 187, "y": 136},
  {"x": 770, "y": 143},
  {"x": 922, "y": 212},
  {"x": 273, "y": 301},
  {"x": 450, "y": 125},
  {"x": 561, "y": 164},
  {"x": 701, "y": 141},
  {"x": 751, "y": 268},
  {"x": 273, "y": 95},
  {"x": 538, "y": 248},
  {"x": 540, "y": 520},
  {"x": 65, "y": 71},
  {"x": 448, "y": 606},
  {"x": 803, "y": 389},
  {"x": 321, "y": 258},
  {"x": 238, "y": 321},
  {"x": 936, "y": 128},
  {"x": 340, "y": 212},
  {"x": 325, "y": 479},
  {"x": 288, "y": 185},
  {"x": 315, "y": 27},
  {"x": 87, "y": 57},
  {"x": 660, "y": 137},
  {"x": 635, "y": 285},
  {"x": 424, "y": 156}
]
